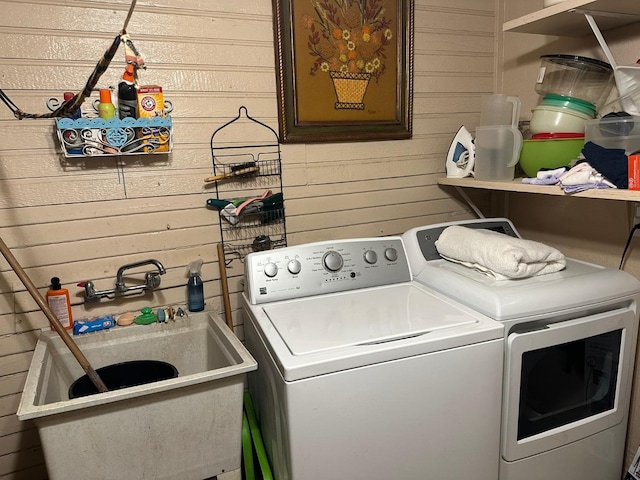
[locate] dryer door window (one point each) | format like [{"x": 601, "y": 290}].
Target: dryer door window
[{"x": 566, "y": 381}]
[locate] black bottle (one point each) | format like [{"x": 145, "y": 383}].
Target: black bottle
[{"x": 127, "y": 95}]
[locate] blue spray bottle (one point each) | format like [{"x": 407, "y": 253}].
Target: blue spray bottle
[{"x": 195, "y": 289}]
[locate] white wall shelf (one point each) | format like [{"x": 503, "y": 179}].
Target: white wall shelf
[
  {"x": 567, "y": 18},
  {"x": 517, "y": 186}
]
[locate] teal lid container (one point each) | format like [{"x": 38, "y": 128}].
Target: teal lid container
[{"x": 570, "y": 103}]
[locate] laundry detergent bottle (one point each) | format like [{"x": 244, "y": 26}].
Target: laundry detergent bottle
[{"x": 195, "y": 289}]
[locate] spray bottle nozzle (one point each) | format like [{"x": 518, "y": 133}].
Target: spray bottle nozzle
[
  {"x": 195, "y": 290},
  {"x": 194, "y": 268}
]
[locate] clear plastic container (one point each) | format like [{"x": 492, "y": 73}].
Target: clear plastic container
[
  {"x": 615, "y": 132},
  {"x": 573, "y": 76}
]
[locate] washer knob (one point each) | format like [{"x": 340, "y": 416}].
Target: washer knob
[
  {"x": 270, "y": 269},
  {"x": 332, "y": 261},
  {"x": 391, "y": 254},
  {"x": 370, "y": 257},
  {"x": 294, "y": 266}
]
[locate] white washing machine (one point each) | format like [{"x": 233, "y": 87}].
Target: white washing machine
[
  {"x": 364, "y": 374},
  {"x": 570, "y": 340}
]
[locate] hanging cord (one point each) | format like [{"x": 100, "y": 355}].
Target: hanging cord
[
  {"x": 68, "y": 108},
  {"x": 8, "y": 102},
  {"x": 626, "y": 247},
  {"x": 126, "y": 21}
]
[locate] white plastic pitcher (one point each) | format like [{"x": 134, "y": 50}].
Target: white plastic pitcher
[
  {"x": 499, "y": 109},
  {"x": 497, "y": 152},
  {"x": 498, "y": 139}
]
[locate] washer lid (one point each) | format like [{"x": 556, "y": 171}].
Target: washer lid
[
  {"x": 364, "y": 317},
  {"x": 330, "y": 333}
]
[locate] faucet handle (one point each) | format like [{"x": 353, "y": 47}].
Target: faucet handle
[
  {"x": 152, "y": 280},
  {"x": 89, "y": 290}
]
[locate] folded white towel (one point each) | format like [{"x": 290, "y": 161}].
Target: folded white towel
[{"x": 498, "y": 255}]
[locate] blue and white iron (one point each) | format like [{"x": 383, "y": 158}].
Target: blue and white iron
[{"x": 461, "y": 155}]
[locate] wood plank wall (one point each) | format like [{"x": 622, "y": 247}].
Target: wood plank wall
[{"x": 82, "y": 219}]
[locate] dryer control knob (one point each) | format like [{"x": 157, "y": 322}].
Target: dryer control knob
[
  {"x": 270, "y": 270},
  {"x": 332, "y": 261},
  {"x": 391, "y": 254},
  {"x": 370, "y": 257},
  {"x": 294, "y": 266}
]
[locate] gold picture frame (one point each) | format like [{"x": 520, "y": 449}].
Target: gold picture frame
[{"x": 344, "y": 69}]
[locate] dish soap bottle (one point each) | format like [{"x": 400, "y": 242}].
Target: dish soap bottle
[
  {"x": 60, "y": 304},
  {"x": 195, "y": 289}
]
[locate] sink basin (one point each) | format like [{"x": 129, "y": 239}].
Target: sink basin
[{"x": 188, "y": 427}]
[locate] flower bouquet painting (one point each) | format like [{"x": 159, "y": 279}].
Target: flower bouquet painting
[
  {"x": 344, "y": 69},
  {"x": 347, "y": 39}
]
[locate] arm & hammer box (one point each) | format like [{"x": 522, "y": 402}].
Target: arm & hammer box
[{"x": 150, "y": 105}]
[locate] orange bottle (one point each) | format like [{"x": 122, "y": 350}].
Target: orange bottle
[
  {"x": 60, "y": 303},
  {"x": 106, "y": 109}
]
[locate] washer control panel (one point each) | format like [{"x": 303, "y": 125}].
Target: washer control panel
[{"x": 324, "y": 267}]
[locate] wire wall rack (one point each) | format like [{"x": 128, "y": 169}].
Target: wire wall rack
[{"x": 248, "y": 186}]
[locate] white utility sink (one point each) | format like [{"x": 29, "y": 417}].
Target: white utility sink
[{"x": 183, "y": 428}]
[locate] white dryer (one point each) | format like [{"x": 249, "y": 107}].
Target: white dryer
[
  {"x": 570, "y": 340},
  {"x": 364, "y": 374}
]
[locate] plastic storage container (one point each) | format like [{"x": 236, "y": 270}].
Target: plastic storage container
[
  {"x": 573, "y": 76},
  {"x": 574, "y": 104},
  {"x": 615, "y": 132}
]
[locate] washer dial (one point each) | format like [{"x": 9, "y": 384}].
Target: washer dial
[
  {"x": 332, "y": 261},
  {"x": 391, "y": 254},
  {"x": 270, "y": 269},
  {"x": 370, "y": 257},
  {"x": 294, "y": 266}
]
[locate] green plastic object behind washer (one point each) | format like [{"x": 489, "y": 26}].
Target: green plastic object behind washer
[
  {"x": 258, "y": 445},
  {"x": 147, "y": 317},
  {"x": 247, "y": 450}
]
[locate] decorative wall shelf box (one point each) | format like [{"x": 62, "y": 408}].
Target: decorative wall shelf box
[{"x": 87, "y": 137}]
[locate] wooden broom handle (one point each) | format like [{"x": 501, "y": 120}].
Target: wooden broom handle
[
  {"x": 44, "y": 306},
  {"x": 225, "y": 286}
]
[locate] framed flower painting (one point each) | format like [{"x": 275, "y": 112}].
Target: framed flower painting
[{"x": 344, "y": 69}]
